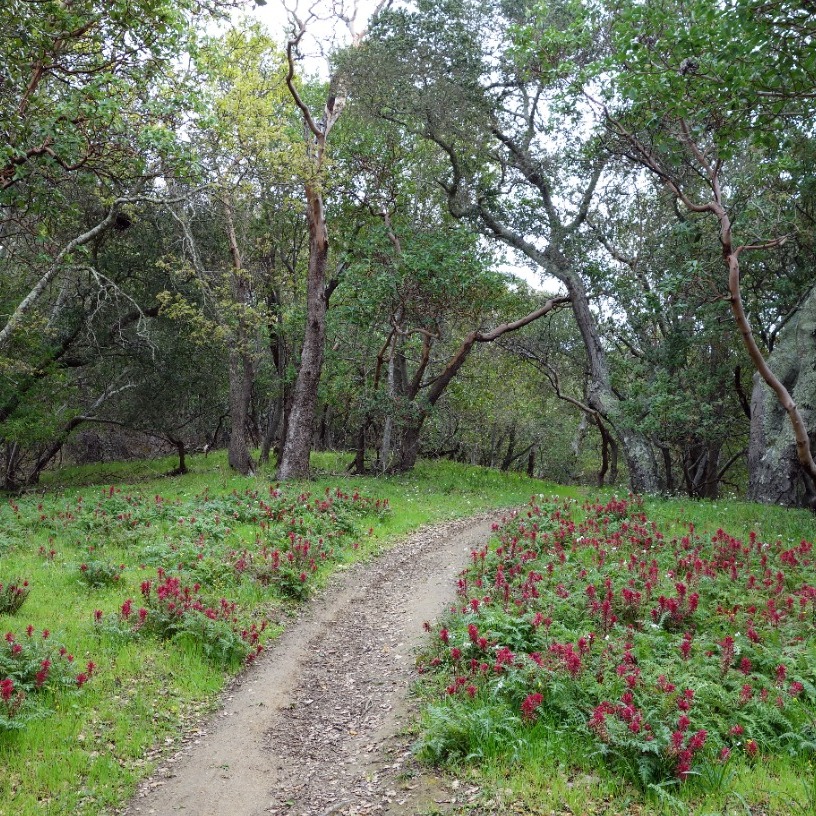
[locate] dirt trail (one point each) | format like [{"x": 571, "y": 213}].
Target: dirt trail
[{"x": 314, "y": 727}]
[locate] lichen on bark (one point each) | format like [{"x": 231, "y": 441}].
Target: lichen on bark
[{"x": 775, "y": 475}]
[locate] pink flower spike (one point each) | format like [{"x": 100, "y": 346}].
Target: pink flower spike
[{"x": 530, "y": 705}]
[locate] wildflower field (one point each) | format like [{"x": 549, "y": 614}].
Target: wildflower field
[
  {"x": 593, "y": 662},
  {"x": 124, "y": 609},
  {"x": 586, "y": 644}
]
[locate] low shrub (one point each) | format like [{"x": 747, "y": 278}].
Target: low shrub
[
  {"x": 31, "y": 667},
  {"x": 178, "y": 611},
  {"x": 665, "y": 654},
  {"x": 12, "y": 596},
  {"x": 97, "y": 574}
]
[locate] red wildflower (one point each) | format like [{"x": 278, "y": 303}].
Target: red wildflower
[
  {"x": 795, "y": 688},
  {"x": 530, "y": 705},
  {"x": 676, "y": 744},
  {"x": 504, "y": 656},
  {"x": 42, "y": 674},
  {"x": 726, "y": 653},
  {"x": 698, "y": 740},
  {"x": 664, "y": 685}
]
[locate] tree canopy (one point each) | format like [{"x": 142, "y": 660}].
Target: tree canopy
[{"x": 204, "y": 240}]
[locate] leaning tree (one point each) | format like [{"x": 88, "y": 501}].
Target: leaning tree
[
  {"x": 714, "y": 101},
  {"x": 462, "y": 75}
]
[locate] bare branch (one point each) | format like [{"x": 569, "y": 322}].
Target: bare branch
[
  {"x": 291, "y": 45},
  {"x": 776, "y": 242},
  {"x": 586, "y": 200}
]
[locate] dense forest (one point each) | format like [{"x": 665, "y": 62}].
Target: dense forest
[{"x": 218, "y": 234}]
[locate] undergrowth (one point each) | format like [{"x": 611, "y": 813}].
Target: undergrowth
[
  {"x": 680, "y": 662},
  {"x": 158, "y": 591}
]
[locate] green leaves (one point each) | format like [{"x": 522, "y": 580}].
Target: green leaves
[{"x": 730, "y": 69}]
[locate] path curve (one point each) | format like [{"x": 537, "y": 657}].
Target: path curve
[{"x": 313, "y": 727}]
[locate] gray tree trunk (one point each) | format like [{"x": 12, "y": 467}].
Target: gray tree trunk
[
  {"x": 644, "y": 474},
  {"x": 297, "y": 446},
  {"x": 775, "y": 475},
  {"x": 241, "y": 364},
  {"x": 388, "y": 429},
  {"x": 241, "y": 376}
]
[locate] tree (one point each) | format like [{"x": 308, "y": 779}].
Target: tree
[
  {"x": 492, "y": 110},
  {"x": 294, "y": 461},
  {"x": 688, "y": 101},
  {"x": 88, "y": 106},
  {"x": 80, "y": 81},
  {"x": 679, "y": 359},
  {"x": 245, "y": 160}
]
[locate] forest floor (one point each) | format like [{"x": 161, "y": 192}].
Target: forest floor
[{"x": 319, "y": 725}]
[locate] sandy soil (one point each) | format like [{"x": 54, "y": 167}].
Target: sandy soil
[{"x": 317, "y": 726}]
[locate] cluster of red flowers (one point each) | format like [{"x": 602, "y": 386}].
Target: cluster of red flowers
[
  {"x": 681, "y": 609},
  {"x": 35, "y": 664},
  {"x": 170, "y": 604}
]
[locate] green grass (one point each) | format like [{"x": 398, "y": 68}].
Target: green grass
[
  {"x": 85, "y": 750},
  {"x": 556, "y": 765}
]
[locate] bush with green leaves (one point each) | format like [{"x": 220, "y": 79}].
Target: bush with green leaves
[
  {"x": 32, "y": 667},
  {"x": 96, "y": 574},
  {"x": 175, "y": 610}
]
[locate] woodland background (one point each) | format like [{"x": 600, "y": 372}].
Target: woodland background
[{"x": 207, "y": 241}]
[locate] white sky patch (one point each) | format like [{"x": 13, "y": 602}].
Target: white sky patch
[{"x": 325, "y": 28}]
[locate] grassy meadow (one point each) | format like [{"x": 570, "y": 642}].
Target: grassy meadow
[
  {"x": 74, "y": 740},
  {"x": 141, "y": 595}
]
